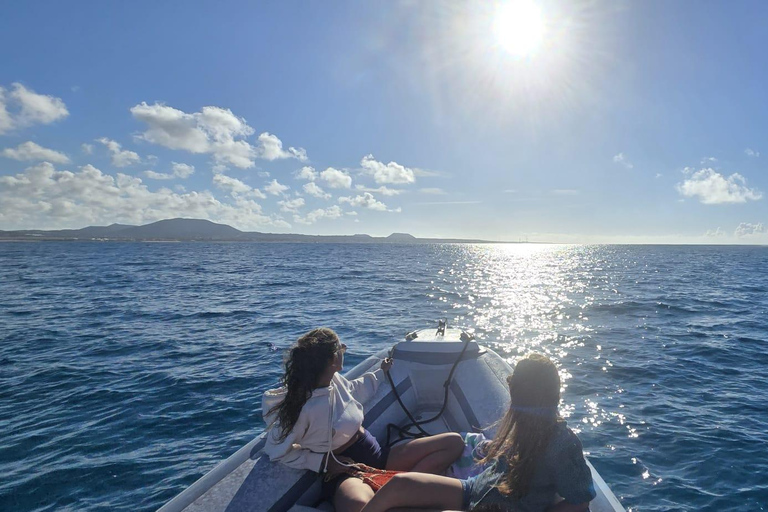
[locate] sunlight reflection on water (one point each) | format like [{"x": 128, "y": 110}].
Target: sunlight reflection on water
[{"x": 537, "y": 297}]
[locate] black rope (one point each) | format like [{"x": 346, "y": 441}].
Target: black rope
[{"x": 405, "y": 430}]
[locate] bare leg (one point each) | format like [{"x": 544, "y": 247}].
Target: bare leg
[
  {"x": 431, "y": 454},
  {"x": 417, "y": 490},
  {"x": 352, "y": 495}
]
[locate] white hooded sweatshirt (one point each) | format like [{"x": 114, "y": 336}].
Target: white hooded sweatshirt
[{"x": 329, "y": 419}]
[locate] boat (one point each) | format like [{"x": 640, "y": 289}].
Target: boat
[{"x": 442, "y": 375}]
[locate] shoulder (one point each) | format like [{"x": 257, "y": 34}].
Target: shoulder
[{"x": 565, "y": 442}]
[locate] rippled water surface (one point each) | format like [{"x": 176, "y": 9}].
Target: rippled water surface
[{"x": 128, "y": 370}]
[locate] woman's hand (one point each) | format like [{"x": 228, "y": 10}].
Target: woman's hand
[
  {"x": 386, "y": 364},
  {"x": 334, "y": 468}
]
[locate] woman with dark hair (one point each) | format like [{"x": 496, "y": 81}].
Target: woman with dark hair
[
  {"x": 533, "y": 458},
  {"x": 315, "y": 422}
]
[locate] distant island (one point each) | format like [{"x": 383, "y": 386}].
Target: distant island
[{"x": 188, "y": 230}]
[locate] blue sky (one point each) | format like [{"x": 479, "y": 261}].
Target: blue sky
[{"x": 627, "y": 122}]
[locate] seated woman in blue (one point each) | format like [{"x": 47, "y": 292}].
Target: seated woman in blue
[{"x": 533, "y": 458}]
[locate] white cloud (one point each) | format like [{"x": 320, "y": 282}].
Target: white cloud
[
  {"x": 213, "y": 130},
  {"x": 751, "y": 152},
  {"x": 622, "y": 160},
  {"x": 306, "y": 173},
  {"x": 291, "y": 205},
  {"x": 28, "y": 108},
  {"x": 713, "y": 188},
  {"x": 31, "y": 151},
  {"x": 179, "y": 171},
  {"x": 275, "y": 188},
  {"x": 366, "y": 200},
  {"x": 263, "y": 174},
  {"x": 433, "y": 191},
  {"x": 182, "y": 170},
  {"x": 312, "y": 189},
  {"x": 748, "y": 229},
  {"x": 158, "y": 175},
  {"x": 336, "y": 178},
  {"x": 42, "y": 197},
  {"x": 385, "y": 191},
  {"x": 708, "y": 160},
  {"x": 87, "y": 148},
  {"x": 391, "y": 173},
  {"x": 332, "y": 212},
  {"x": 715, "y": 234},
  {"x": 6, "y": 121},
  {"x": 271, "y": 148},
  {"x": 236, "y": 188},
  {"x": 426, "y": 173},
  {"x": 120, "y": 157}
]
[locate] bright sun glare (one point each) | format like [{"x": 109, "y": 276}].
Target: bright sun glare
[{"x": 519, "y": 27}]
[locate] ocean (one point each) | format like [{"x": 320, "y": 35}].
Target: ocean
[{"x": 128, "y": 370}]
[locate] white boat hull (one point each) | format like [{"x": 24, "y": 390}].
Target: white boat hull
[{"x": 478, "y": 397}]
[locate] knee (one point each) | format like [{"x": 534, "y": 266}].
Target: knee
[
  {"x": 454, "y": 443},
  {"x": 399, "y": 482}
]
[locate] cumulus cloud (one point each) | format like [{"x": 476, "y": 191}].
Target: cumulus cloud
[
  {"x": 366, "y": 200},
  {"x": 271, "y": 148},
  {"x": 711, "y": 187},
  {"x": 391, "y": 173},
  {"x": 236, "y": 188},
  {"x": 291, "y": 205},
  {"x": 31, "y": 151},
  {"x": 621, "y": 159},
  {"x": 213, "y": 130},
  {"x": 306, "y": 173},
  {"x": 335, "y": 178},
  {"x": 21, "y": 107},
  {"x": 120, "y": 157},
  {"x": 313, "y": 189},
  {"x": 332, "y": 212},
  {"x": 275, "y": 188},
  {"x": 747, "y": 229},
  {"x": 87, "y": 148},
  {"x": 178, "y": 171},
  {"x": 183, "y": 170},
  {"x": 751, "y": 152},
  {"x": 41, "y": 197}
]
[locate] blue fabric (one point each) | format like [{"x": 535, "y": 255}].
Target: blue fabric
[
  {"x": 562, "y": 470},
  {"x": 366, "y": 450}
]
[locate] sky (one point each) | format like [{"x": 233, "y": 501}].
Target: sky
[{"x": 562, "y": 121}]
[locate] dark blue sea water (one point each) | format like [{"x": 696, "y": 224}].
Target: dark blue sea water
[{"x": 128, "y": 370}]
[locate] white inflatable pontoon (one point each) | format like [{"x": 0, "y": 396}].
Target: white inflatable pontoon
[{"x": 478, "y": 396}]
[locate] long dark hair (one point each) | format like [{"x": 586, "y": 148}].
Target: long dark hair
[
  {"x": 306, "y": 361},
  {"x": 526, "y": 428}
]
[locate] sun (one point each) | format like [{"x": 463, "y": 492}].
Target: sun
[{"x": 519, "y": 27}]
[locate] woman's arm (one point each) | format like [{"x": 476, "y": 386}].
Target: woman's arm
[{"x": 364, "y": 387}]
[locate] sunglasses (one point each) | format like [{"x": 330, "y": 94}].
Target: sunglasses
[{"x": 342, "y": 348}]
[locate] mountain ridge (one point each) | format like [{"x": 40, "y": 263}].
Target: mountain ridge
[{"x": 184, "y": 229}]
